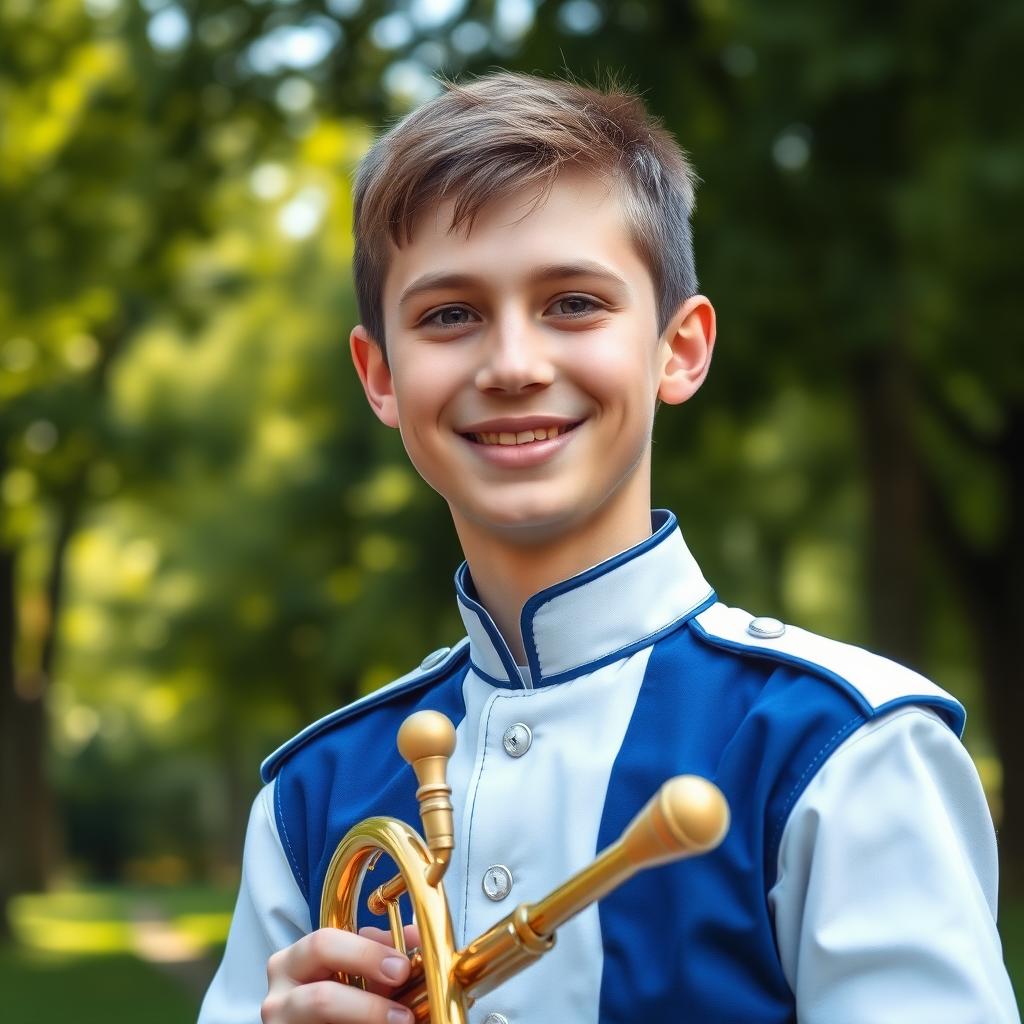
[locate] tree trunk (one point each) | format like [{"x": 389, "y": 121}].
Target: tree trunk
[
  {"x": 994, "y": 622},
  {"x": 1004, "y": 676},
  {"x": 885, "y": 395},
  {"x": 990, "y": 586},
  {"x": 8, "y": 626},
  {"x": 27, "y": 804},
  {"x": 31, "y": 840}
]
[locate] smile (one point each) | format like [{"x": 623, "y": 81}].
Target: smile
[{"x": 522, "y": 436}]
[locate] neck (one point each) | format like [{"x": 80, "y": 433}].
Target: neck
[{"x": 507, "y": 570}]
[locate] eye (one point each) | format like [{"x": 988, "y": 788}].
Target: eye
[
  {"x": 574, "y": 306},
  {"x": 449, "y": 316}
]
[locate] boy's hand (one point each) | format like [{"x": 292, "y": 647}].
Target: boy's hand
[{"x": 303, "y": 989}]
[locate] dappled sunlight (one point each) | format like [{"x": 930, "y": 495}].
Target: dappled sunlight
[
  {"x": 387, "y": 491},
  {"x": 41, "y": 119},
  {"x": 56, "y": 935},
  {"x": 160, "y": 704},
  {"x": 378, "y": 552},
  {"x": 819, "y": 581},
  {"x": 206, "y": 930},
  {"x": 142, "y": 922},
  {"x": 161, "y": 942},
  {"x": 71, "y": 922}
]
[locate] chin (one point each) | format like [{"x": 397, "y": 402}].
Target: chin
[{"x": 527, "y": 522}]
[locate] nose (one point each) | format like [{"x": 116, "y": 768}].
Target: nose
[{"x": 515, "y": 358}]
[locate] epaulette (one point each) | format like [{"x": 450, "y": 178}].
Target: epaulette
[
  {"x": 435, "y": 664},
  {"x": 875, "y": 683}
]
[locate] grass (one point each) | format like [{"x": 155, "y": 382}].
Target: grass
[
  {"x": 99, "y": 920},
  {"x": 76, "y": 957},
  {"x": 1011, "y": 928},
  {"x": 102, "y": 988}
]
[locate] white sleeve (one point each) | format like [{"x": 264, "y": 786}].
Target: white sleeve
[
  {"x": 886, "y": 895},
  {"x": 270, "y": 914}
]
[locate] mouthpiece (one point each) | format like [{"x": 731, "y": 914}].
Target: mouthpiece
[
  {"x": 426, "y": 740},
  {"x": 426, "y": 734}
]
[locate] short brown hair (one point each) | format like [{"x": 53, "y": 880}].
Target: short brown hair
[{"x": 505, "y": 132}]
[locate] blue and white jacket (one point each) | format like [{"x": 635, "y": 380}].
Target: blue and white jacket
[{"x": 857, "y": 884}]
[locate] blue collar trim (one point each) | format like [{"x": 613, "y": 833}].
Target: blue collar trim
[{"x": 595, "y": 617}]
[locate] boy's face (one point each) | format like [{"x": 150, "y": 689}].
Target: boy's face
[{"x": 543, "y": 323}]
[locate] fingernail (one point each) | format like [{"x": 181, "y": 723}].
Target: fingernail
[
  {"x": 399, "y": 1017},
  {"x": 395, "y": 968}
]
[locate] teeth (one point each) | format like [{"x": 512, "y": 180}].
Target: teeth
[{"x": 522, "y": 437}]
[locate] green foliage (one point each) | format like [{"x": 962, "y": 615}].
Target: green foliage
[{"x": 246, "y": 548}]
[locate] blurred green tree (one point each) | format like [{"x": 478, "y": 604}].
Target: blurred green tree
[
  {"x": 195, "y": 502},
  {"x": 110, "y": 140}
]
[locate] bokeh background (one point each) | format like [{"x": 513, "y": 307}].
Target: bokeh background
[{"x": 206, "y": 541}]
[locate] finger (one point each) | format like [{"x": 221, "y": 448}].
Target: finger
[
  {"x": 382, "y": 935},
  {"x": 412, "y": 940},
  {"x": 328, "y": 951},
  {"x": 328, "y": 1002}
]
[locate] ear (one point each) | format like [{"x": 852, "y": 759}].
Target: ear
[
  {"x": 686, "y": 348},
  {"x": 374, "y": 375}
]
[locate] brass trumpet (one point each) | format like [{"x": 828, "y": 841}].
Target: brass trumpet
[{"x": 688, "y": 815}]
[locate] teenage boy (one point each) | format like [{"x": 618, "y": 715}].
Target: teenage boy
[{"x": 526, "y": 282}]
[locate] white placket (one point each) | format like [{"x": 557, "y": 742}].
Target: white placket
[{"x": 526, "y": 822}]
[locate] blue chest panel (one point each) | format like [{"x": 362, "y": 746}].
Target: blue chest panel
[
  {"x": 353, "y": 773},
  {"x": 694, "y": 941}
]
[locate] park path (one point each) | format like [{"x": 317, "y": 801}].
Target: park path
[{"x": 169, "y": 949}]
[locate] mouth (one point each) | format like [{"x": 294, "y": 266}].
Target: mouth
[
  {"x": 514, "y": 438},
  {"x": 511, "y": 439}
]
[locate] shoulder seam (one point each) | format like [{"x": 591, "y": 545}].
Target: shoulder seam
[
  {"x": 952, "y": 710},
  {"x": 781, "y": 658},
  {"x": 418, "y": 677},
  {"x": 292, "y": 859},
  {"x": 837, "y": 747},
  {"x": 811, "y": 769}
]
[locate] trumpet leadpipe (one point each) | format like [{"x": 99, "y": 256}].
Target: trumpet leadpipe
[{"x": 688, "y": 815}]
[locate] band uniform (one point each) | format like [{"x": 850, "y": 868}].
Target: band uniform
[{"x": 858, "y": 878}]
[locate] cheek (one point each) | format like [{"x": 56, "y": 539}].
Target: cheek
[
  {"x": 619, "y": 375},
  {"x": 425, "y": 391}
]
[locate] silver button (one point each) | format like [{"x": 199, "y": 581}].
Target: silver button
[
  {"x": 497, "y": 882},
  {"x": 765, "y": 628},
  {"x": 435, "y": 657},
  {"x": 517, "y": 739},
  {"x": 495, "y": 1018}
]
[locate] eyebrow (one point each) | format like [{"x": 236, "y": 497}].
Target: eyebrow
[{"x": 547, "y": 272}]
